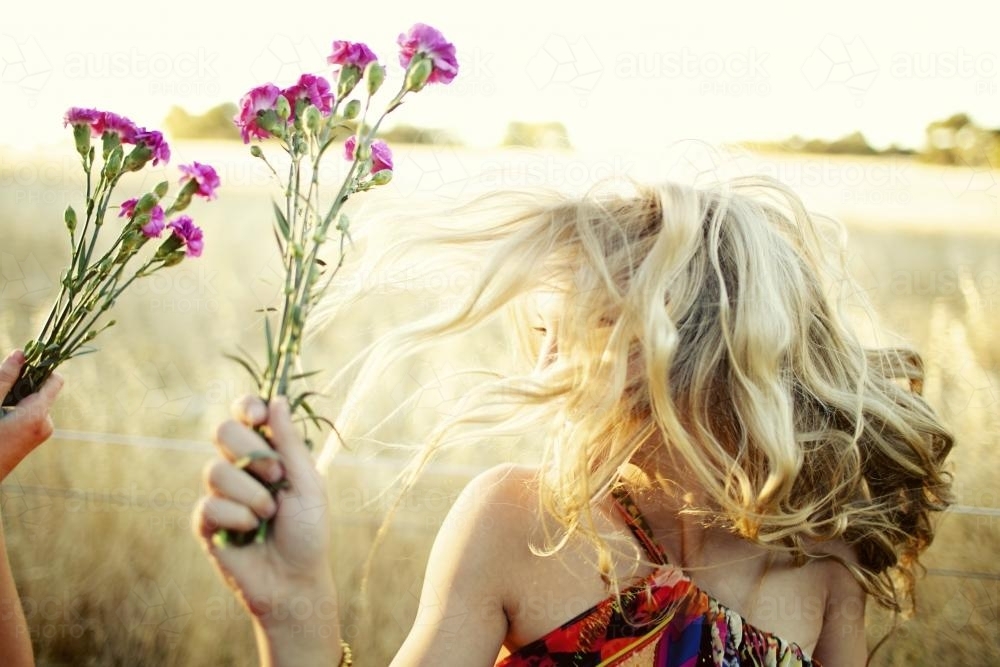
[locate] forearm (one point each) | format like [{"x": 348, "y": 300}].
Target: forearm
[
  {"x": 15, "y": 641},
  {"x": 300, "y": 630}
]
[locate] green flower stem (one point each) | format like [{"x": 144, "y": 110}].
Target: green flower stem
[
  {"x": 86, "y": 334},
  {"x": 70, "y": 281}
]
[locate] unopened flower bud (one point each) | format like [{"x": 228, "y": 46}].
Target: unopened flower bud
[
  {"x": 352, "y": 109},
  {"x": 374, "y": 75},
  {"x": 70, "y": 218},
  {"x": 313, "y": 118},
  {"x": 416, "y": 77},
  {"x": 256, "y": 151},
  {"x": 114, "y": 162},
  {"x": 382, "y": 176},
  {"x": 283, "y": 108},
  {"x": 161, "y": 189}
]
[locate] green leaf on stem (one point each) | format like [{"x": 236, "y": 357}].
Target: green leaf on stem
[
  {"x": 303, "y": 376},
  {"x": 249, "y": 368},
  {"x": 286, "y": 232},
  {"x": 318, "y": 420},
  {"x": 278, "y": 239},
  {"x": 272, "y": 357}
]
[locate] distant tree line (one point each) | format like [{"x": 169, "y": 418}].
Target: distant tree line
[
  {"x": 956, "y": 140},
  {"x": 217, "y": 123}
]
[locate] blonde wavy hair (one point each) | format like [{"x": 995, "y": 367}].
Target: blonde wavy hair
[{"x": 704, "y": 324}]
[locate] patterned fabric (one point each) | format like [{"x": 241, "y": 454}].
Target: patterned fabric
[{"x": 664, "y": 621}]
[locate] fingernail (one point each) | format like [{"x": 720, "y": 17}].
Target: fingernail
[
  {"x": 271, "y": 510},
  {"x": 275, "y": 472},
  {"x": 257, "y": 413}
]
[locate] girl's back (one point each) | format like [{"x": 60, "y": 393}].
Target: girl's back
[{"x": 553, "y": 603}]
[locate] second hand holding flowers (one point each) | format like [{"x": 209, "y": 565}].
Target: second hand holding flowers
[{"x": 305, "y": 119}]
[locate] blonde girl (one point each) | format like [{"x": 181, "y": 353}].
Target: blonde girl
[{"x": 728, "y": 473}]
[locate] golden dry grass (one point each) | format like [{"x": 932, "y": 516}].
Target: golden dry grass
[{"x": 97, "y": 519}]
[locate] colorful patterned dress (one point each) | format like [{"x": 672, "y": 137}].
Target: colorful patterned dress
[{"x": 664, "y": 621}]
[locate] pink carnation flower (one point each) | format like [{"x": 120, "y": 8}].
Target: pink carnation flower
[
  {"x": 314, "y": 89},
  {"x": 381, "y": 156},
  {"x": 112, "y": 122},
  {"x": 153, "y": 140},
  {"x": 81, "y": 116},
  {"x": 258, "y": 100},
  {"x": 184, "y": 228},
  {"x": 154, "y": 226},
  {"x": 381, "y": 153},
  {"x": 424, "y": 40},
  {"x": 351, "y": 53},
  {"x": 127, "y": 208},
  {"x": 202, "y": 174}
]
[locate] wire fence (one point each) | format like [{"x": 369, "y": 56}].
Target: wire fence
[{"x": 347, "y": 460}]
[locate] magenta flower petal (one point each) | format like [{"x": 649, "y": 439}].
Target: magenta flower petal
[
  {"x": 189, "y": 233},
  {"x": 351, "y": 53},
  {"x": 153, "y": 140},
  {"x": 202, "y": 174},
  {"x": 424, "y": 40},
  {"x": 256, "y": 101},
  {"x": 112, "y": 122},
  {"x": 80, "y": 116},
  {"x": 381, "y": 156},
  {"x": 154, "y": 227},
  {"x": 313, "y": 89},
  {"x": 127, "y": 208}
]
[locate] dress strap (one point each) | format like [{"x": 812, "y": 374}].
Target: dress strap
[{"x": 637, "y": 524}]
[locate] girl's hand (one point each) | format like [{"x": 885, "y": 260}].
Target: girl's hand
[
  {"x": 285, "y": 582},
  {"x": 29, "y": 424}
]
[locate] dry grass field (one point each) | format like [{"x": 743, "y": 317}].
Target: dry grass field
[{"x": 98, "y": 519}]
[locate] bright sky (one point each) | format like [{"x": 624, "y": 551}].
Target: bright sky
[{"x": 616, "y": 74}]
